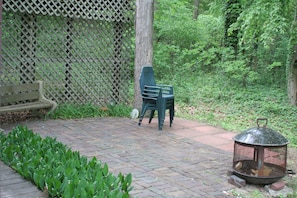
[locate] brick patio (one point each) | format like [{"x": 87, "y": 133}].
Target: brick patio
[{"x": 190, "y": 159}]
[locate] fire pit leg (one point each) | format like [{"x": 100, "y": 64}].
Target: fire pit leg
[
  {"x": 236, "y": 181},
  {"x": 260, "y": 160}
]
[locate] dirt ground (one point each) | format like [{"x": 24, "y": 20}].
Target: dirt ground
[{"x": 15, "y": 117}]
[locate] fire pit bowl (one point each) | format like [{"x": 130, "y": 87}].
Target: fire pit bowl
[{"x": 260, "y": 155}]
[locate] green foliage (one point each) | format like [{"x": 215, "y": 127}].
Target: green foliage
[
  {"x": 119, "y": 110},
  {"x": 174, "y": 25},
  {"x": 178, "y": 11},
  {"x": 215, "y": 84},
  {"x": 70, "y": 111},
  {"x": 52, "y": 166},
  {"x": 239, "y": 72},
  {"x": 262, "y": 20},
  {"x": 183, "y": 45}
]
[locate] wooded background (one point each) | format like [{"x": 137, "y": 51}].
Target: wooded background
[{"x": 246, "y": 42}]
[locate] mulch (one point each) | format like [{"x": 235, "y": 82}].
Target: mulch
[{"x": 15, "y": 117}]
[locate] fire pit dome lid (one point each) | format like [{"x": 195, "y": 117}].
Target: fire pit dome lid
[{"x": 262, "y": 136}]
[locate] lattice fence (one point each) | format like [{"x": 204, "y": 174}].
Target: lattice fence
[{"x": 82, "y": 49}]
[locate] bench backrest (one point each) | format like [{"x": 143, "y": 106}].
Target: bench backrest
[{"x": 16, "y": 94}]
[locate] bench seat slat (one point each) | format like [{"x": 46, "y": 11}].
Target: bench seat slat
[
  {"x": 25, "y": 106},
  {"x": 24, "y": 97}
]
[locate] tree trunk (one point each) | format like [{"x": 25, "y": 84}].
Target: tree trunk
[
  {"x": 232, "y": 12},
  {"x": 143, "y": 44},
  {"x": 292, "y": 63},
  {"x": 196, "y": 9},
  {"x": 292, "y": 78}
]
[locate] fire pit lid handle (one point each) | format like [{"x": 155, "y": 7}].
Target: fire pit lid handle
[{"x": 258, "y": 119}]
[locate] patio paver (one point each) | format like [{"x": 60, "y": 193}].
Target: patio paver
[{"x": 190, "y": 159}]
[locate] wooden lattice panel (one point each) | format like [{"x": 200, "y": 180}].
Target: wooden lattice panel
[
  {"x": 110, "y": 10},
  {"x": 81, "y": 58}
]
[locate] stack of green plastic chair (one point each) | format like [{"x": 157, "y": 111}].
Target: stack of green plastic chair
[{"x": 155, "y": 97}]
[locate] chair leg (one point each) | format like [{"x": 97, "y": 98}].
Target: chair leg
[
  {"x": 162, "y": 118},
  {"x": 172, "y": 108},
  {"x": 144, "y": 107},
  {"x": 170, "y": 117},
  {"x": 151, "y": 115},
  {"x": 161, "y": 115},
  {"x": 171, "y": 113},
  {"x": 140, "y": 120},
  {"x": 160, "y": 123}
]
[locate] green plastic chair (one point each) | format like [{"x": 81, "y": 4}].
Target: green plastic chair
[{"x": 155, "y": 97}]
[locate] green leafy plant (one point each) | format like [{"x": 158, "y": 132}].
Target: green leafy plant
[{"x": 55, "y": 168}]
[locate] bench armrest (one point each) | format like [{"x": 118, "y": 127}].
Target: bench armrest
[{"x": 42, "y": 97}]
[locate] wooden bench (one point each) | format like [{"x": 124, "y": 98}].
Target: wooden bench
[{"x": 24, "y": 97}]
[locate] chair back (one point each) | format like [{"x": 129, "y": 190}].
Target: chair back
[{"x": 146, "y": 77}]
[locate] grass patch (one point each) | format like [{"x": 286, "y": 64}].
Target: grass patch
[
  {"x": 215, "y": 101},
  {"x": 71, "y": 111}
]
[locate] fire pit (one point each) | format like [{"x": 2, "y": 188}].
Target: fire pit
[{"x": 260, "y": 155}]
